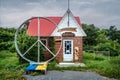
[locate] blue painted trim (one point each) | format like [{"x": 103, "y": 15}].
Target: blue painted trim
[{"x": 31, "y": 67}]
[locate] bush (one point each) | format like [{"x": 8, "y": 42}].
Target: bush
[
  {"x": 89, "y": 56},
  {"x": 105, "y": 66},
  {"x": 9, "y": 67},
  {"x": 111, "y": 46},
  {"x": 51, "y": 44},
  {"x": 92, "y": 56},
  {"x": 52, "y": 65},
  {"x": 99, "y": 57},
  {"x": 86, "y": 48},
  {"x": 11, "y": 75},
  {"x": 114, "y": 69},
  {"x": 7, "y": 46},
  {"x": 114, "y": 52}
]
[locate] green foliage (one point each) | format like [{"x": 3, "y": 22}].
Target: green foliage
[
  {"x": 103, "y": 65},
  {"x": 5, "y": 53},
  {"x": 93, "y": 56},
  {"x": 52, "y": 65},
  {"x": 111, "y": 46},
  {"x": 6, "y": 34},
  {"x": 99, "y": 57},
  {"x": 89, "y": 56},
  {"x": 102, "y": 36},
  {"x": 108, "y": 66},
  {"x": 92, "y": 33},
  {"x": 114, "y": 34},
  {"x": 12, "y": 75},
  {"x": 51, "y": 44},
  {"x": 102, "y": 40},
  {"x": 25, "y": 42},
  {"x": 10, "y": 69},
  {"x": 7, "y": 39},
  {"x": 96, "y": 40},
  {"x": 113, "y": 70}
]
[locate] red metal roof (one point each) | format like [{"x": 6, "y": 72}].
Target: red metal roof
[{"x": 46, "y": 27}]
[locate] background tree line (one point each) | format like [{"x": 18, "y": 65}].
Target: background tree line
[
  {"x": 102, "y": 39},
  {"x": 96, "y": 39}
]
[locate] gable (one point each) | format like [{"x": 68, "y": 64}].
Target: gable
[{"x": 73, "y": 24}]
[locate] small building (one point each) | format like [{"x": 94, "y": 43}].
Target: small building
[{"x": 69, "y": 27}]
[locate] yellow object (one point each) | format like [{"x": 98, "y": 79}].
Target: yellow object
[
  {"x": 76, "y": 53},
  {"x": 42, "y": 67}
]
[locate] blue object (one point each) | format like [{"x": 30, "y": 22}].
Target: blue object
[{"x": 31, "y": 67}]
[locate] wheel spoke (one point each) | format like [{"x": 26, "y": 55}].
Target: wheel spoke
[
  {"x": 29, "y": 48},
  {"x": 47, "y": 49},
  {"x": 38, "y": 51},
  {"x": 38, "y": 40}
]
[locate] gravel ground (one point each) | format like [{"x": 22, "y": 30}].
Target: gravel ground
[{"x": 68, "y": 75}]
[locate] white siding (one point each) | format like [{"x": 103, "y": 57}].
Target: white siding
[{"x": 72, "y": 23}]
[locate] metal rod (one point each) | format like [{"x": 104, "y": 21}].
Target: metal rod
[
  {"x": 47, "y": 49},
  {"x": 38, "y": 39},
  {"x": 68, "y": 19},
  {"x": 68, "y": 11},
  {"x": 68, "y": 4},
  {"x": 30, "y": 48}
]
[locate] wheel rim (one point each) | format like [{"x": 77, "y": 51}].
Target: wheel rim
[{"x": 38, "y": 41}]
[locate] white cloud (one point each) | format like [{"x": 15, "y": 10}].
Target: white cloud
[
  {"x": 91, "y": 12},
  {"x": 14, "y": 17}
]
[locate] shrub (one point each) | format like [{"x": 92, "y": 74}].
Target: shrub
[
  {"x": 114, "y": 70},
  {"x": 99, "y": 57},
  {"x": 111, "y": 46},
  {"x": 89, "y": 56},
  {"x": 52, "y": 65},
  {"x": 51, "y": 44},
  {"x": 9, "y": 67},
  {"x": 92, "y": 56}
]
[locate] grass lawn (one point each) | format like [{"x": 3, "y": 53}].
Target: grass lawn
[
  {"x": 10, "y": 69},
  {"x": 107, "y": 66}
]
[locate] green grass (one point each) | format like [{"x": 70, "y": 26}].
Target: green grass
[
  {"x": 106, "y": 66},
  {"x": 10, "y": 69}
]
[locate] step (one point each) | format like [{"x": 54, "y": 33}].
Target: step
[{"x": 69, "y": 64}]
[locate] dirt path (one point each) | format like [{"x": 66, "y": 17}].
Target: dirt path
[{"x": 68, "y": 75}]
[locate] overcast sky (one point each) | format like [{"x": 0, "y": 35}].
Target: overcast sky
[{"x": 101, "y": 13}]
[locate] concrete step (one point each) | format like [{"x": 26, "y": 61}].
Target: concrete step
[{"x": 69, "y": 64}]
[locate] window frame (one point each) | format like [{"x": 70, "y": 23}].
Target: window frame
[{"x": 46, "y": 42}]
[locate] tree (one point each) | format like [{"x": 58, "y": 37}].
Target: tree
[
  {"x": 113, "y": 34},
  {"x": 92, "y": 33},
  {"x": 102, "y": 36},
  {"x": 7, "y": 39}
]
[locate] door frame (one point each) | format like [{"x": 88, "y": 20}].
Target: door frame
[{"x": 71, "y": 49}]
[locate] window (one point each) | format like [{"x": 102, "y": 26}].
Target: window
[
  {"x": 67, "y": 47},
  {"x": 44, "y": 41}
]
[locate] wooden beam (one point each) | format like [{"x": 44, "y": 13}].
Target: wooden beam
[{"x": 71, "y": 29}]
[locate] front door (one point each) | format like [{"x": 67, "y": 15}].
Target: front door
[{"x": 68, "y": 50}]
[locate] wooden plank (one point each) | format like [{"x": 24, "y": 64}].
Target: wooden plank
[
  {"x": 68, "y": 29},
  {"x": 42, "y": 66}
]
